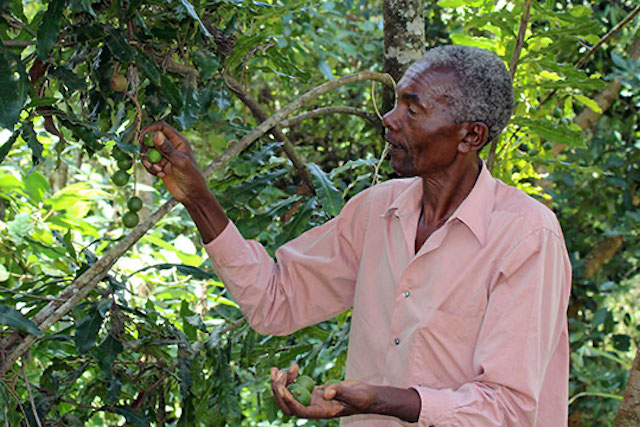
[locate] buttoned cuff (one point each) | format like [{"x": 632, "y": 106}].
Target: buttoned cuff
[
  {"x": 228, "y": 248},
  {"x": 437, "y": 406}
]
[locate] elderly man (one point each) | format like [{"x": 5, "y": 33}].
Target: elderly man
[{"x": 459, "y": 284}]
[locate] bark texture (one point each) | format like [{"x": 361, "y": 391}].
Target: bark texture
[
  {"x": 600, "y": 254},
  {"x": 629, "y": 413},
  {"x": 404, "y": 40}
]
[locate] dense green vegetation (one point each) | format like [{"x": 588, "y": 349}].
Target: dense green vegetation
[{"x": 156, "y": 339}]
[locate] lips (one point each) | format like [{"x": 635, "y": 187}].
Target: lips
[{"x": 394, "y": 146}]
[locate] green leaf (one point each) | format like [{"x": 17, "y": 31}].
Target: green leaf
[
  {"x": 119, "y": 46},
  {"x": 10, "y": 104},
  {"x": 19, "y": 227},
  {"x": 556, "y": 133},
  {"x": 49, "y": 28},
  {"x": 88, "y": 327},
  {"x": 71, "y": 80},
  {"x": 6, "y": 147},
  {"x": 459, "y": 3},
  {"x": 329, "y": 195},
  {"x": 325, "y": 69},
  {"x": 588, "y": 102},
  {"x": 36, "y": 186},
  {"x": 68, "y": 244},
  {"x": 192, "y": 12},
  {"x": 131, "y": 416},
  {"x": 108, "y": 352},
  {"x": 39, "y": 102},
  {"x": 148, "y": 68},
  {"x": 172, "y": 92},
  {"x": 29, "y": 135},
  {"x": 11, "y": 317}
]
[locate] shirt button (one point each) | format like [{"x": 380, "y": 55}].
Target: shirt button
[
  {"x": 397, "y": 341},
  {"x": 406, "y": 294}
]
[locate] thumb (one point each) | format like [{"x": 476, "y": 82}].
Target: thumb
[
  {"x": 165, "y": 147},
  {"x": 333, "y": 391}
]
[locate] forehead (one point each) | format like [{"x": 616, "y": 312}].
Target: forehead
[{"x": 427, "y": 81}]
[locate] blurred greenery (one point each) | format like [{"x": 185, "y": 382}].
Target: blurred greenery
[{"x": 159, "y": 341}]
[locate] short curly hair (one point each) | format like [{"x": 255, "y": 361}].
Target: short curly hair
[{"x": 485, "y": 84}]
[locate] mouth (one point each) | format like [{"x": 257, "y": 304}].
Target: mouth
[{"x": 394, "y": 146}]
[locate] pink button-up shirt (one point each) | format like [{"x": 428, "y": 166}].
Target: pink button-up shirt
[{"x": 475, "y": 321}]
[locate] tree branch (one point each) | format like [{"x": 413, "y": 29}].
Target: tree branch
[
  {"x": 87, "y": 281},
  {"x": 260, "y": 114},
  {"x": 629, "y": 412},
  {"x": 582, "y": 61},
  {"x": 329, "y": 110},
  {"x": 517, "y": 50}
]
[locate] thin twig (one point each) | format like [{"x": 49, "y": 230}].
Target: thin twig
[
  {"x": 33, "y": 404},
  {"x": 513, "y": 65},
  {"x": 323, "y": 111},
  {"x": 27, "y": 294},
  {"x": 16, "y": 23}
]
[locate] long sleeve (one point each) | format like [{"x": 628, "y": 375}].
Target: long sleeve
[
  {"x": 312, "y": 279},
  {"x": 523, "y": 329}
]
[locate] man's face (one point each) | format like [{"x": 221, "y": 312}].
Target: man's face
[{"x": 421, "y": 132}]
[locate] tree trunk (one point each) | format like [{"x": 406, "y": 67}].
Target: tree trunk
[
  {"x": 629, "y": 413},
  {"x": 404, "y": 40}
]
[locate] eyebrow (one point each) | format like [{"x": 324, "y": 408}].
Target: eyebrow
[
  {"x": 413, "y": 98},
  {"x": 410, "y": 97}
]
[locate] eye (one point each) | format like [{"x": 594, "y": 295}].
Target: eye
[{"x": 411, "y": 110}]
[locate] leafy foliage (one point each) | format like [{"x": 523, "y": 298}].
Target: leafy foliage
[{"x": 160, "y": 341}]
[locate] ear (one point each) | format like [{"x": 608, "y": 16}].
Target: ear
[{"x": 475, "y": 135}]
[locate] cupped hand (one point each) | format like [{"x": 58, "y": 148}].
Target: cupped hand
[
  {"x": 331, "y": 401},
  {"x": 177, "y": 168}
]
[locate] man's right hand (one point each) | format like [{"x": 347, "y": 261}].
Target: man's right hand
[{"x": 178, "y": 168}]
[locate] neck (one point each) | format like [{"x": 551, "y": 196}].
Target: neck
[{"x": 444, "y": 190}]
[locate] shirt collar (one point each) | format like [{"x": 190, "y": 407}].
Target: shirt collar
[{"x": 474, "y": 211}]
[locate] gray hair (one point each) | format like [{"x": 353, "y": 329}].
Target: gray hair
[{"x": 485, "y": 84}]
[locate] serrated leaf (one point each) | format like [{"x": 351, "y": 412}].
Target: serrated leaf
[
  {"x": 192, "y": 12},
  {"x": 330, "y": 197},
  {"x": 119, "y": 46},
  {"x": 11, "y": 317},
  {"x": 49, "y": 28}
]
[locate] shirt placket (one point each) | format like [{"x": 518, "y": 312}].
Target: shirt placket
[{"x": 399, "y": 338}]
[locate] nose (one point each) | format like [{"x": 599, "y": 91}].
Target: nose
[{"x": 389, "y": 120}]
